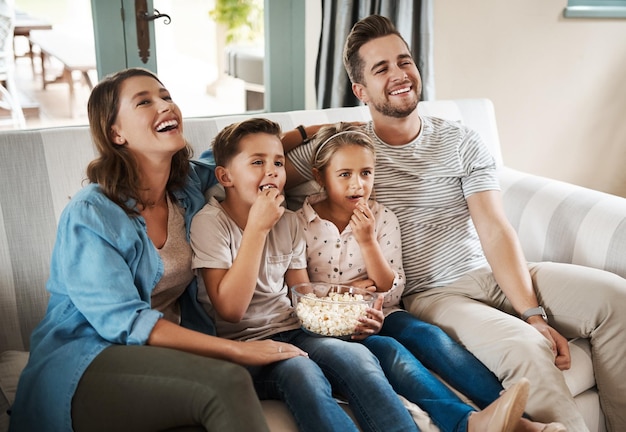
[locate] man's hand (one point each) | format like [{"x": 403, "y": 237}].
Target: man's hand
[
  {"x": 560, "y": 348},
  {"x": 372, "y": 322}
]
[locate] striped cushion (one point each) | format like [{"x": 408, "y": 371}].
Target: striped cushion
[{"x": 560, "y": 222}]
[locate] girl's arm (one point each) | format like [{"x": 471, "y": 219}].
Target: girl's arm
[{"x": 379, "y": 270}]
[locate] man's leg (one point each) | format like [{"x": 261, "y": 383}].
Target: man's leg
[
  {"x": 590, "y": 303},
  {"x": 509, "y": 347}
]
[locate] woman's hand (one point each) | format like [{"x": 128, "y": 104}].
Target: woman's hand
[
  {"x": 263, "y": 352},
  {"x": 372, "y": 322}
]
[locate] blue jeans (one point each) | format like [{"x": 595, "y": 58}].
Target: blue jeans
[
  {"x": 409, "y": 349},
  {"x": 307, "y": 385}
]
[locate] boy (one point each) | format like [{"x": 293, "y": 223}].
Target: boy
[{"x": 248, "y": 249}]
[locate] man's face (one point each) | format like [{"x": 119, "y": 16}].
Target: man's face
[{"x": 391, "y": 82}]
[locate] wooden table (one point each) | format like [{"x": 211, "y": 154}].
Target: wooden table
[
  {"x": 74, "y": 53},
  {"x": 24, "y": 24}
]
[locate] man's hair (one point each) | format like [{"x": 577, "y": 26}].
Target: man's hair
[
  {"x": 367, "y": 29},
  {"x": 226, "y": 142}
]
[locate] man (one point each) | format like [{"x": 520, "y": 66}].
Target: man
[{"x": 464, "y": 265}]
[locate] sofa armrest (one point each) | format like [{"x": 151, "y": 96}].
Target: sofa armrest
[{"x": 562, "y": 222}]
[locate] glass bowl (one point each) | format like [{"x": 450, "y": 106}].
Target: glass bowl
[{"x": 326, "y": 309}]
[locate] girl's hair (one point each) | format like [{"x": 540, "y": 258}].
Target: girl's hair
[
  {"x": 226, "y": 142},
  {"x": 115, "y": 169},
  {"x": 333, "y": 137}
]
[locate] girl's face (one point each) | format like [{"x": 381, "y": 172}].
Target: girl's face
[
  {"x": 148, "y": 121},
  {"x": 349, "y": 177}
]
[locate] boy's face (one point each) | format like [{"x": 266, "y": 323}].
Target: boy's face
[{"x": 260, "y": 164}]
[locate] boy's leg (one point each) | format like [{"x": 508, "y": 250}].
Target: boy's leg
[
  {"x": 143, "y": 388},
  {"x": 441, "y": 354},
  {"x": 301, "y": 384},
  {"x": 356, "y": 374}
]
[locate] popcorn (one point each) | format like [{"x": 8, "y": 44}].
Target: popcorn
[{"x": 333, "y": 315}]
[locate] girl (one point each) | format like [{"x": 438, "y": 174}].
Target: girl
[{"x": 354, "y": 240}]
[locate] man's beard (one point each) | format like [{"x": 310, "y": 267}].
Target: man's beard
[{"x": 388, "y": 109}]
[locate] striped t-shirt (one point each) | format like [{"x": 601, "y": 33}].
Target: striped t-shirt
[{"x": 425, "y": 183}]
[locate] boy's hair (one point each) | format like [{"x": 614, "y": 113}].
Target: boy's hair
[
  {"x": 226, "y": 142},
  {"x": 370, "y": 27},
  {"x": 333, "y": 137}
]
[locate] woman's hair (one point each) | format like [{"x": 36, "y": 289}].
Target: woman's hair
[
  {"x": 226, "y": 142},
  {"x": 115, "y": 169},
  {"x": 367, "y": 29},
  {"x": 333, "y": 137}
]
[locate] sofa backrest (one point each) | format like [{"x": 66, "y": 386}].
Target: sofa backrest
[{"x": 41, "y": 169}]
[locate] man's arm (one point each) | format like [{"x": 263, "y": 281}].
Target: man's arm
[{"x": 506, "y": 258}]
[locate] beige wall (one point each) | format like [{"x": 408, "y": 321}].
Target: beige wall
[{"x": 558, "y": 85}]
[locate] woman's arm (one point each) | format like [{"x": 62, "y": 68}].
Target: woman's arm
[{"x": 253, "y": 353}]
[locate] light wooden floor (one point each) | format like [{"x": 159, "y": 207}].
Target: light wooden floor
[{"x": 51, "y": 107}]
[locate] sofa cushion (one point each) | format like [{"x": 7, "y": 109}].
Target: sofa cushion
[
  {"x": 580, "y": 377},
  {"x": 11, "y": 365}
]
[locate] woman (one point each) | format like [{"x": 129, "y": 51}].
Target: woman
[{"x": 115, "y": 350}]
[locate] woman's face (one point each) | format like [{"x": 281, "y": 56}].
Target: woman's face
[{"x": 148, "y": 122}]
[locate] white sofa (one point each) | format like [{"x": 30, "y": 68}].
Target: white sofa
[{"x": 41, "y": 169}]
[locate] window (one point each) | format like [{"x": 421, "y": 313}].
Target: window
[{"x": 595, "y": 9}]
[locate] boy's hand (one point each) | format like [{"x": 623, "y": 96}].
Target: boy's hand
[
  {"x": 372, "y": 322},
  {"x": 267, "y": 209},
  {"x": 363, "y": 223}
]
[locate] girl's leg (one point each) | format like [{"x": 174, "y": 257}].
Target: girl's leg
[
  {"x": 354, "y": 372},
  {"x": 416, "y": 383},
  {"x": 444, "y": 356},
  {"x": 144, "y": 388}
]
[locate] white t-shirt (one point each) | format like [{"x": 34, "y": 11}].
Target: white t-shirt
[
  {"x": 216, "y": 239},
  {"x": 426, "y": 183}
]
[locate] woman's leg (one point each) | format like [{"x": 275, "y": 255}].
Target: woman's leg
[
  {"x": 301, "y": 384},
  {"x": 444, "y": 356},
  {"x": 143, "y": 388},
  {"x": 355, "y": 373},
  {"x": 412, "y": 380}
]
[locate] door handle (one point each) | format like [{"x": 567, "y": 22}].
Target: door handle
[{"x": 142, "y": 18}]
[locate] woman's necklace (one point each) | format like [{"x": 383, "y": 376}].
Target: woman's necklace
[{"x": 153, "y": 204}]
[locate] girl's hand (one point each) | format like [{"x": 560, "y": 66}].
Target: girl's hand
[
  {"x": 363, "y": 224},
  {"x": 264, "y": 352},
  {"x": 372, "y": 322},
  {"x": 366, "y": 284}
]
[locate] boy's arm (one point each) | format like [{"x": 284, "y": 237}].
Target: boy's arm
[
  {"x": 295, "y": 277},
  {"x": 231, "y": 290}
]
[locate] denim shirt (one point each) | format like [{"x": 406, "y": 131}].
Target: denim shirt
[{"x": 103, "y": 270}]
